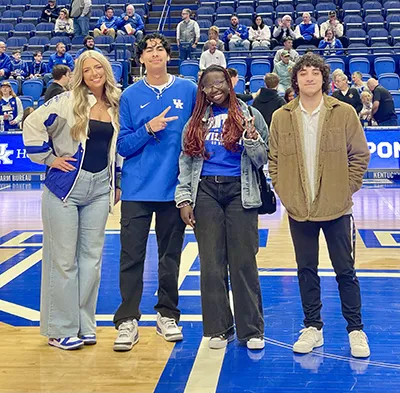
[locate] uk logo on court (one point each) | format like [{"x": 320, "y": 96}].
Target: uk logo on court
[
  {"x": 178, "y": 103},
  {"x": 5, "y": 154}
]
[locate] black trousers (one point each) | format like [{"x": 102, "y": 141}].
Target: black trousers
[
  {"x": 135, "y": 227},
  {"x": 227, "y": 235},
  {"x": 338, "y": 238}
]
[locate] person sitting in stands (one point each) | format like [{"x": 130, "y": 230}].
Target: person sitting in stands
[
  {"x": 64, "y": 24},
  {"x": 213, "y": 34},
  {"x": 330, "y": 45},
  {"x": 130, "y": 23},
  {"x": 307, "y": 32},
  {"x": 236, "y": 36},
  {"x": 107, "y": 24},
  {"x": 259, "y": 33}
]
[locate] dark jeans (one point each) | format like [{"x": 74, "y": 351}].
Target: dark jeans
[
  {"x": 338, "y": 238},
  {"x": 227, "y": 235},
  {"x": 81, "y": 26},
  {"x": 135, "y": 226},
  {"x": 185, "y": 51},
  {"x": 388, "y": 123},
  {"x": 301, "y": 41}
]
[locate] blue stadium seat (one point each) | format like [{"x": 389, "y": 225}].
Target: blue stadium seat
[
  {"x": 351, "y": 21},
  {"x": 225, "y": 11},
  {"x": 24, "y": 30},
  {"x": 38, "y": 4},
  {"x": 239, "y": 65},
  {"x": 266, "y": 10},
  {"x": 189, "y": 68},
  {"x": 33, "y": 88},
  {"x": 256, "y": 83},
  {"x": 40, "y": 101},
  {"x": 283, "y": 9},
  {"x": 396, "y": 98},
  {"x": 322, "y": 8},
  {"x": 46, "y": 55},
  {"x": 372, "y": 7},
  {"x": 361, "y": 64},
  {"x": 395, "y": 34},
  {"x": 45, "y": 29},
  {"x": 384, "y": 65},
  {"x": 65, "y": 40},
  {"x": 16, "y": 43},
  {"x": 393, "y": 20},
  {"x": 389, "y": 81},
  {"x": 206, "y": 13},
  {"x": 104, "y": 42},
  {"x": 38, "y": 43},
  {"x": 246, "y": 22},
  {"x": 14, "y": 85},
  {"x": 3, "y": 5},
  {"x": 335, "y": 63},
  {"x": 222, "y": 23},
  {"x": 373, "y": 21},
  {"x": 392, "y": 7},
  {"x": 305, "y": 7},
  {"x": 6, "y": 28},
  {"x": 31, "y": 16},
  {"x": 240, "y": 86},
  {"x": 260, "y": 67},
  {"x": 204, "y": 23},
  {"x": 10, "y": 16},
  {"x": 358, "y": 49},
  {"x": 117, "y": 70},
  {"x": 381, "y": 48},
  {"x": 64, "y": 3},
  {"x": 351, "y": 7},
  {"x": 356, "y": 35},
  {"x": 378, "y": 35},
  {"x": 27, "y": 101},
  {"x": 100, "y": 4},
  {"x": 18, "y": 5},
  {"x": 245, "y": 11},
  {"x": 96, "y": 14},
  {"x": 123, "y": 41},
  {"x": 77, "y": 40}
]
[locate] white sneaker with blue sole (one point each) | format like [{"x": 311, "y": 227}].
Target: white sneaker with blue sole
[
  {"x": 88, "y": 339},
  {"x": 168, "y": 329},
  {"x": 67, "y": 343}
]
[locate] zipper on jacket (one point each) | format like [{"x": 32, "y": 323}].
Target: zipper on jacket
[{"x": 77, "y": 176}]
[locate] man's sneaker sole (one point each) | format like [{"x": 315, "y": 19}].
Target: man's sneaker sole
[
  {"x": 360, "y": 354},
  {"x": 220, "y": 344},
  {"x": 89, "y": 340},
  {"x": 259, "y": 344},
  {"x": 318, "y": 344},
  {"x": 125, "y": 347},
  {"x": 71, "y": 347},
  {"x": 171, "y": 338}
]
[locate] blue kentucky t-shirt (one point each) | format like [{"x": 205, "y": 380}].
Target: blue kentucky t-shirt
[{"x": 222, "y": 162}]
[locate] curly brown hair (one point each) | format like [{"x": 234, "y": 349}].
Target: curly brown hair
[{"x": 311, "y": 60}]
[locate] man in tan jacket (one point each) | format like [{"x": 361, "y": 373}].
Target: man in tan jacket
[{"x": 318, "y": 156}]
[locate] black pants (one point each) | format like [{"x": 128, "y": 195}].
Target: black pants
[
  {"x": 227, "y": 235},
  {"x": 301, "y": 41},
  {"x": 338, "y": 238},
  {"x": 135, "y": 227}
]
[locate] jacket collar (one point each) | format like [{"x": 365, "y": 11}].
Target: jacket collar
[{"x": 329, "y": 103}]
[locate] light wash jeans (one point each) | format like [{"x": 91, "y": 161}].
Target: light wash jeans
[
  {"x": 81, "y": 26},
  {"x": 73, "y": 238}
]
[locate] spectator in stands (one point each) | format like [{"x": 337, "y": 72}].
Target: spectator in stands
[
  {"x": 365, "y": 114},
  {"x": 315, "y": 182},
  {"x": 383, "y": 110},
  {"x": 38, "y": 66},
  {"x": 187, "y": 35},
  {"x": 213, "y": 34},
  {"x": 358, "y": 83},
  {"x": 282, "y": 31},
  {"x": 329, "y": 44},
  {"x": 19, "y": 69},
  {"x": 284, "y": 71},
  {"x": 27, "y": 111},
  {"x": 130, "y": 23},
  {"x": 345, "y": 94},
  {"x": 84, "y": 171},
  {"x": 337, "y": 28},
  {"x": 259, "y": 33},
  {"x": 61, "y": 80},
  {"x": 5, "y": 62},
  {"x": 235, "y": 79},
  {"x": 289, "y": 94},
  {"x": 80, "y": 12},
  {"x": 212, "y": 56},
  {"x": 59, "y": 57},
  {"x": 236, "y": 36},
  {"x": 11, "y": 107},
  {"x": 50, "y": 13},
  {"x": 88, "y": 44},
  {"x": 107, "y": 24},
  {"x": 269, "y": 100},
  {"x": 287, "y": 46},
  {"x": 307, "y": 32},
  {"x": 64, "y": 24}
]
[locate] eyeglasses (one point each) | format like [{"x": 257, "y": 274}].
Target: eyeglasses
[{"x": 216, "y": 84}]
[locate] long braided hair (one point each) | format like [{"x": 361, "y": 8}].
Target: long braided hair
[{"x": 194, "y": 142}]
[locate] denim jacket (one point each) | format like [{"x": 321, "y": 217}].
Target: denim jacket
[{"x": 254, "y": 156}]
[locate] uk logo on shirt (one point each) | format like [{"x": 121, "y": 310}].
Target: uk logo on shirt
[{"x": 178, "y": 103}]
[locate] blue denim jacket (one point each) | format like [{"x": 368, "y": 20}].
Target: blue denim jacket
[{"x": 254, "y": 156}]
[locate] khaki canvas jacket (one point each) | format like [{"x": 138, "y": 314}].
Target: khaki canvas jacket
[{"x": 342, "y": 159}]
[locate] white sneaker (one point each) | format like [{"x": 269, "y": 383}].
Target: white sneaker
[
  {"x": 309, "y": 339},
  {"x": 256, "y": 343},
  {"x": 359, "y": 344},
  {"x": 128, "y": 336},
  {"x": 67, "y": 343},
  {"x": 167, "y": 328},
  {"x": 221, "y": 341}
]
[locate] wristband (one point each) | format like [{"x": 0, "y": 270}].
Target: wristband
[{"x": 184, "y": 204}]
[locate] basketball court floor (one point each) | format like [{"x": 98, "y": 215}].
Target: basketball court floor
[{"x": 28, "y": 364}]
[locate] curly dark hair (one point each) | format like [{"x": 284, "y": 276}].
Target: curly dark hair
[
  {"x": 311, "y": 60},
  {"x": 142, "y": 45}
]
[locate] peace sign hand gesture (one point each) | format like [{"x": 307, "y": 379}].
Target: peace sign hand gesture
[
  {"x": 250, "y": 129},
  {"x": 160, "y": 122}
]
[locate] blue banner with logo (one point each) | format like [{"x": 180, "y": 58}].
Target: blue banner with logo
[{"x": 385, "y": 149}]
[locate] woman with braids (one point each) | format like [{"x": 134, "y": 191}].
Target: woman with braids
[
  {"x": 218, "y": 195},
  {"x": 75, "y": 135}
]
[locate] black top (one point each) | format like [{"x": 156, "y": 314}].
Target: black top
[
  {"x": 386, "y": 105},
  {"x": 352, "y": 98},
  {"x": 96, "y": 155},
  {"x": 267, "y": 102},
  {"x": 53, "y": 90}
]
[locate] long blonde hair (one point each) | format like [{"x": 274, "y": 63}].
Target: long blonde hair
[
  {"x": 8, "y": 84},
  {"x": 80, "y": 90}
]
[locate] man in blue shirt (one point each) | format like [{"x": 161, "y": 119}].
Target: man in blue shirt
[
  {"x": 107, "y": 24},
  {"x": 131, "y": 23},
  {"x": 153, "y": 113},
  {"x": 88, "y": 44},
  {"x": 5, "y": 62},
  {"x": 237, "y": 36},
  {"x": 59, "y": 57}
]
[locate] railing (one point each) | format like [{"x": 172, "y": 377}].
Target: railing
[{"x": 164, "y": 16}]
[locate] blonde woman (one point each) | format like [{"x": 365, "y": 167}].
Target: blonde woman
[
  {"x": 64, "y": 24},
  {"x": 79, "y": 192},
  {"x": 11, "y": 108},
  {"x": 213, "y": 34}
]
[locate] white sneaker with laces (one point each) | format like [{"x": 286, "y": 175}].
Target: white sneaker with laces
[
  {"x": 128, "y": 336},
  {"x": 309, "y": 339},
  {"x": 359, "y": 344},
  {"x": 168, "y": 329},
  {"x": 67, "y": 343},
  {"x": 221, "y": 341},
  {"x": 256, "y": 343}
]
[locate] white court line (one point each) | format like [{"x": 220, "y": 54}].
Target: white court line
[
  {"x": 19, "y": 311},
  {"x": 206, "y": 369},
  {"x": 4, "y": 187}
]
